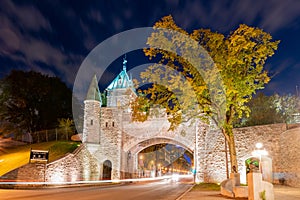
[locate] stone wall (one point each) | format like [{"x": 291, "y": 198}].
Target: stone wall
[
  {"x": 110, "y": 147},
  {"x": 288, "y": 162},
  {"x": 215, "y": 157},
  {"x": 29, "y": 172},
  {"x": 268, "y": 135},
  {"x": 282, "y": 145},
  {"x": 80, "y": 165}
]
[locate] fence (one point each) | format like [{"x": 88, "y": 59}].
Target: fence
[{"x": 49, "y": 135}]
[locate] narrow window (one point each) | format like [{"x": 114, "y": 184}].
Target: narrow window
[
  {"x": 92, "y": 122},
  {"x": 113, "y": 124},
  {"x": 106, "y": 124}
]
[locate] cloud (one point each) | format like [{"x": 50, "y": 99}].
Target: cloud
[
  {"x": 26, "y": 17},
  {"x": 222, "y": 15},
  {"x": 95, "y": 15},
  {"x": 39, "y": 51},
  {"x": 9, "y": 41},
  {"x": 19, "y": 27},
  {"x": 89, "y": 38},
  {"x": 280, "y": 14},
  {"x": 281, "y": 67}
]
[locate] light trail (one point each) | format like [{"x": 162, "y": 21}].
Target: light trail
[{"x": 94, "y": 182}]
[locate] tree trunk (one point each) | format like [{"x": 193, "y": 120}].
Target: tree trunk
[
  {"x": 232, "y": 150},
  {"x": 232, "y": 153}
]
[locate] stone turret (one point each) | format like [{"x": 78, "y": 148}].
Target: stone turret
[
  {"x": 92, "y": 106},
  {"x": 121, "y": 89}
]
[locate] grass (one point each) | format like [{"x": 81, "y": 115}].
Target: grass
[
  {"x": 207, "y": 186},
  {"x": 18, "y": 156}
]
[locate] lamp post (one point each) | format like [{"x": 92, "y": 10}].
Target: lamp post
[
  {"x": 259, "y": 152},
  {"x": 259, "y": 174},
  {"x": 159, "y": 169},
  {"x": 152, "y": 169},
  {"x": 128, "y": 167},
  {"x": 141, "y": 164}
]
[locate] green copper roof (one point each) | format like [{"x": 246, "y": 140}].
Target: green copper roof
[
  {"x": 93, "y": 92},
  {"x": 122, "y": 80}
]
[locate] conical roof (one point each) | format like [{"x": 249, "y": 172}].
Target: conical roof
[
  {"x": 93, "y": 92},
  {"x": 122, "y": 80}
]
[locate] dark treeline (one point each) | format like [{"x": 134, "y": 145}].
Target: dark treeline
[
  {"x": 31, "y": 101},
  {"x": 270, "y": 110}
]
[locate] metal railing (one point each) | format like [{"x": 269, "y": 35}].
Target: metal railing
[{"x": 49, "y": 135}]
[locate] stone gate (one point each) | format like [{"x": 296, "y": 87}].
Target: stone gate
[
  {"x": 114, "y": 140},
  {"x": 110, "y": 134}
]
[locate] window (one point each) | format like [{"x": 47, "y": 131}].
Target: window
[
  {"x": 106, "y": 124},
  {"x": 113, "y": 124},
  {"x": 92, "y": 122}
]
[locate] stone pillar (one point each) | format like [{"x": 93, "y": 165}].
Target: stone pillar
[
  {"x": 259, "y": 189},
  {"x": 200, "y": 151}
]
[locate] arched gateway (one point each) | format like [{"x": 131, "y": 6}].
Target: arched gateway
[
  {"x": 106, "y": 171},
  {"x": 110, "y": 134}
]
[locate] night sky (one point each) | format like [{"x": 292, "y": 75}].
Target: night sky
[{"x": 54, "y": 37}]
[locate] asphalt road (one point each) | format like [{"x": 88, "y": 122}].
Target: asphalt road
[{"x": 162, "y": 190}]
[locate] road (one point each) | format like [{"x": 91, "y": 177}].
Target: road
[{"x": 161, "y": 190}]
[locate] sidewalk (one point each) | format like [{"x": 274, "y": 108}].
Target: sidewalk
[
  {"x": 281, "y": 192},
  {"x": 203, "y": 195}
]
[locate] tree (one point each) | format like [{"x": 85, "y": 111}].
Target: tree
[
  {"x": 286, "y": 106},
  {"x": 262, "y": 112},
  {"x": 66, "y": 125},
  {"x": 239, "y": 59},
  {"x": 32, "y": 101}
]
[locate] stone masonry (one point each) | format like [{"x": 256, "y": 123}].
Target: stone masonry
[
  {"x": 112, "y": 141},
  {"x": 83, "y": 164}
]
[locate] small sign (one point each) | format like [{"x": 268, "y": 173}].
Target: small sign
[{"x": 39, "y": 155}]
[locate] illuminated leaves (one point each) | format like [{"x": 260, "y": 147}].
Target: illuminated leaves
[
  {"x": 239, "y": 58},
  {"x": 189, "y": 86}
]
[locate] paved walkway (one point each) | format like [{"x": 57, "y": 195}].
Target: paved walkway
[
  {"x": 203, "y": 195},
  {"x": 281, "y": 193}
]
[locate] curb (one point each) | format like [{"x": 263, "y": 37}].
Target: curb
[
  {"x": 182, "y": 195},
  {"x": 47, "y": 186}
]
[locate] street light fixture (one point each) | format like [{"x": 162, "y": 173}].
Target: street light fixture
[
  {"x": 259, "y": 152},
  {"x": 259, "y": 145}
]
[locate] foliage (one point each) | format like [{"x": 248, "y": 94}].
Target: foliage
[
  {"x": 239, "y": 59},
  {"x": 32, "y": 101},
  {"x": 104, "y": 99},
  {"x": 262, "y": 112},
  {"x": 66, "y": 123},
  {"x": 262, "y": 195},
  {"x": 207, "y": 186},
  {"x": 270, "y": 110},
  {"x": 140, "y": 108},
  {"x": 60, "y": 148},
  {"x": 286, "y": 106}
]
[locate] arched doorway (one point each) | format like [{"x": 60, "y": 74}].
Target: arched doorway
[
  {"x": 107, "y": 166},
  {"x": 164, "y": 159}
]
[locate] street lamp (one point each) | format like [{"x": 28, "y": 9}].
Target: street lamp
[
  {"x": 259, "y": 145},
  {"x": 259, "y": 152},
  {"x": 159, "y": 168},
  {"x": 141, "y": 165}
]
